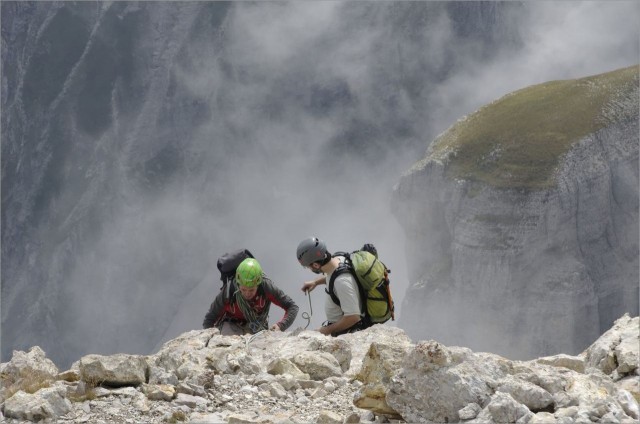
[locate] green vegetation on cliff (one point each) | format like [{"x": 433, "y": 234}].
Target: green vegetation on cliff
[{"x": 518, "y": 140}]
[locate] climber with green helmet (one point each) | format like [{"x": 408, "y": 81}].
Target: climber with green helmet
[{"x": 244, "y": 308}]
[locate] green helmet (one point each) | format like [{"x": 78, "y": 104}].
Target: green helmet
[{"x": 249, "y": 273}]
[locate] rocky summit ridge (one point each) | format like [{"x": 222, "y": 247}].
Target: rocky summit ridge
[{"x": 376, "y": 375}]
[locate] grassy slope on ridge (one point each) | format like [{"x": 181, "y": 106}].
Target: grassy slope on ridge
[{"x": 517, "y": 140}]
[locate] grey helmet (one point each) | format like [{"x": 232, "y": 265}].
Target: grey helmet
[{"x": 311, "y": 250}]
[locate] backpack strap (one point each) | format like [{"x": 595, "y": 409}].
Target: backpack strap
[
  {"x": 340, "y": 270},
  {"x": 346, "y": 266},
  {"x": 229, "y": 287}
]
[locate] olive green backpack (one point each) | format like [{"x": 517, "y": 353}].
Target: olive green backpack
[{"x": 372, "y": 277}]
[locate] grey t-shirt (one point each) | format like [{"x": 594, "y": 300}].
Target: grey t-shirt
[{"x": 346, "y": 288}]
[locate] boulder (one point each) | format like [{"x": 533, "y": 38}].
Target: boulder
[
  {"x": 378, "y": 367},
  {"x": 114, "y": 370},
  {"x": 30, "y": 364},
  {"x": 618, "y": 349},
  {"x": 45, "y": 403},
  {"x": 319, "y": 365}
]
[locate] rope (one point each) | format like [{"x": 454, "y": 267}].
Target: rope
[
  {"x": 306, "y": 315},
  {"x": 250, "y": 339},
  {"x": 257, "y": 322}
]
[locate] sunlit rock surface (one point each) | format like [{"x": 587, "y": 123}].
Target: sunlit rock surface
[
  {"x": 522, "y": 220},
  {"x": 374, "y": 375},
  {"x": 448, "y": 384}
]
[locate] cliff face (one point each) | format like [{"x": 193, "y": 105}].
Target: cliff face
[
  {"x": 522, "y": 222},
  {"x": 90, "y": 133}
]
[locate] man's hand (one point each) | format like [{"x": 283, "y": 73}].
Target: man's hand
[
  {"x": 324, "y": 331},
  {"x": 346, "y": 322},
  {"x": 308, "y": 286}
]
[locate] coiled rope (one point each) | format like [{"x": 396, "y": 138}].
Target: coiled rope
[
  {"x": 306, "y": 315},
  {"x": 257, "y": 322}
]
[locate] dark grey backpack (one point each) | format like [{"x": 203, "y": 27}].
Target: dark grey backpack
[{"x": 227, "y": 265}]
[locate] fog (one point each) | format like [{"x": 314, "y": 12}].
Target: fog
[
  {"x": 314, "y": 111},
  {"x": 349, "y": 205}
]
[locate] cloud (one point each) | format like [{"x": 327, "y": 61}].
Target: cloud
[{"x": 561, "y": 40}]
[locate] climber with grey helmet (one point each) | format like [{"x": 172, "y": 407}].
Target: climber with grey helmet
[
  {"x": 244, "y": 308},
  {"x": 345, "y": 317}
]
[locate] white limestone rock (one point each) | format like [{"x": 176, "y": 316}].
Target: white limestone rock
[
  {"x": 438, "y": 383},
  {"x": 329, "y": 417},
  {"x": 117, "y": 370},
  {"x": 207, "y": 418},
  {"x": 159, "y": 375},
  {"x": 32, "y": 363},
  {"x": 189, "y": 400},
  {"x": 159, "y": 392},
  {"x": 469, "y": 412},
  {"x": 340, "y": 348},
  {"x": 245, "y": 418},
  {"x": 277, "y": 390},
  {"x": 575, "y": 363},
  {"x": 542, "y": 418},
  {"x": 378, "y": 367},
  {"x": 394, "y": 378},
  {"x": 630, "y": 384},
  {"x": 530, "y": 395},
  {"x": 618, "y": 349},
  {"x": 285, "y": 366},
  {"x": 45, "y": 403},
  {"x": 319, "y": 365},
  {"x": 288, "y": 382},
  {"x": 629, "y": 404},
  {"x": 191, "y": 389},
  {"x": 503, "y": 408}
]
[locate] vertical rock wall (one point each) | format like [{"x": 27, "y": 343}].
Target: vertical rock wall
[{"x": 520, "y": 272}]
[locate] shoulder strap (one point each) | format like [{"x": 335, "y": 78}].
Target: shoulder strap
[
  {"x": 229, "y": 288},
  {"x": 347, "y": 266},
  {"x": 345, "y": 254},
  {"x": 344, "y": 267}
]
